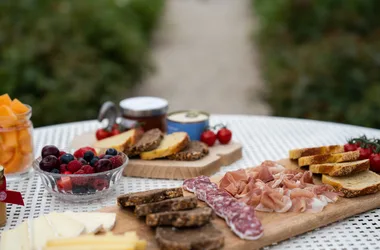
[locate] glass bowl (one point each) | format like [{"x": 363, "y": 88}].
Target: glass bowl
[{"x": 81, "y": 187}]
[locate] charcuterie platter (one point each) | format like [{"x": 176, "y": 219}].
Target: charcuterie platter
[
  {"x": 276, "y": 226},
  {"x": 219, "y": 155}
]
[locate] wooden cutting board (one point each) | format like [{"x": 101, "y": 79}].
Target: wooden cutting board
[
  {"x": 220, "y": 155},
  {"x": 277, "y": 227}
]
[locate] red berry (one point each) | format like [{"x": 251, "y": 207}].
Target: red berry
[
  {"x": 116, "y": 161},
  {"x": 100, "y": 184},
  {"x": 64, "y": 184},
  {"x": 87, "y": 169},
  {"x": 63, "y": 168},
  {"x": 103, "y": 165},
  {"x": 61, "y": 153},
  {"x": 80, "y": 152},
  {"x": 79, "y": 181},
  {"x": 101, "y": 156},
  {"x": 80, "y": 171},
  {"x": 74, "y": 166},
  {"x": 67, "y": 172}
]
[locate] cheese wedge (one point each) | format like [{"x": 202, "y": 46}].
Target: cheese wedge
[
  {"x": 64, "y": 226},
  {"x": 16, "y": 239},
  {"x": 91, "y": 226},
  {"x": 107, "y": 219},
  {"x": 40, "y": 232},
  {"x": 121, "y": 141}
]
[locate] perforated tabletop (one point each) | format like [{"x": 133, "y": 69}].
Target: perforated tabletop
[{"x": 263, "y": 138}]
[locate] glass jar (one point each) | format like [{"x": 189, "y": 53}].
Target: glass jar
[
  {"x": 16, "y": 144},
  {"x": 149, "y": 112}
]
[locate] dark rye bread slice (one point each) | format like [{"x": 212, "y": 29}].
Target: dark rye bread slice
[
  {"x": 195, "y": 150},
  {"x": 206, "y": 237},
  {"x": 133, "y": 199},
  {"x": 187, "y": 218},
  {"x": 150, "y": 140},
  {"x": 175, "y": 204}
]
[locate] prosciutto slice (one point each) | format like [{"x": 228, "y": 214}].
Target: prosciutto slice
[{"x": 271, "y": 187}]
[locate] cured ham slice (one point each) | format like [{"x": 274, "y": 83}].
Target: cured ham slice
[
  {"x": 240, "y": 217},
  {"x": 271, "y": 187}
]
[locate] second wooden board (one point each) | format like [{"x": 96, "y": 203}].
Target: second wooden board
[
  {"x": 220, "y": 155},
  {"x": 277, "y": 226}
]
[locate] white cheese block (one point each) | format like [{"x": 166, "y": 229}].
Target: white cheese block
[
  {"x": 16, "y": 239},
  {"x": 64, "y": 226},
  {"x": 106, "y": 220},
  {"x": 91, "y": 226},
  {"x": 40, "y": 231}
]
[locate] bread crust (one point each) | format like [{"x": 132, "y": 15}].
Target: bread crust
[
  {"x": 328, "y": 158},
  {"x": 340, "y": 169},
  {"x": 194, "y": 151},
  {"x": 301, "y": 152}
]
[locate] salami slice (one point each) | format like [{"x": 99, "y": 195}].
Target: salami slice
[
  {"x": 202, "y": 188},
  {"x": 233, "y": 209},
  {"x": 216, "y": 196},
  {"x": 220, "y": 207},
  {"x": 189, "y": 184},
  {"x": 246, "y": 225}
]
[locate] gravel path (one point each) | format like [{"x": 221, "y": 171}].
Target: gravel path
[{"x": 205, "y": 59}]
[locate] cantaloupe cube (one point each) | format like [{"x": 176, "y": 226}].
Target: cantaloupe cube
[
  {"x": 25, "y": 141},
  {"x": 6, "y": 154},
  {"x": 5, "y": 100},
  {"x": 15, "y": 164},
  {"x": 18, "y": 107},
  {"x": 7, "y": 117},
  {"x": 9, "y": 139}
]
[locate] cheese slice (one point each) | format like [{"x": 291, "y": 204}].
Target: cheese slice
[
  {"x": 91, "y": 225},
  {"x": 16, "y": 239},
  {"x": 40, "y": 232},
  {"x": 106, "y": 220},
  {"x": 63, "y": 225},
  {"x": 92, "y": 247}
]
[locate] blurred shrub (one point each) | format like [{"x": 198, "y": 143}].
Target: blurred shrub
[
  {"x": 65, "y": 57},
  {"x": 321, "y": 58}
]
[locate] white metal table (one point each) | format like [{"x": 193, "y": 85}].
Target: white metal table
[{"x": 263, "y": 138}]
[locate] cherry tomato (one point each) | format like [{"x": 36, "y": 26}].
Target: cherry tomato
[
  {"x": 115, "y": 131},
  {"x": 350, "y": 147},
  {"x": 374, "y": 161},
  {"x": 224, "y": 135},
  {"x": 102, "y": 133},
  {"x": 208, "y": 137},
  {"x": 365, "y": 153}
]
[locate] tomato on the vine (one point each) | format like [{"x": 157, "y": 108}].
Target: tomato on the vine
[
  {"x": 224, "y": 135},
  {"x": 365, "y": 153},
  {"x": 374, "y": 161},
  {"x": 350, "y": 147},
  {"x": 208, "y": 137},
  {"x": 115, "y": 131},
  {"x": 102, "y": 133}
]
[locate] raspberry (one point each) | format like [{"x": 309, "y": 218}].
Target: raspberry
[
  {"x": 101, "y": 156},
  {"x": 80, "y": 152},
  {"x": 116, "y": 161},
  {"x": 100, "y": 184},
  {"x": 87, "y": 169},
  {"x": 74, "y": 166},
  {"x": 63, "y": 168},
  {"x": 79, "y": 181},
  {"x": 62, "y": 153},
  {"x": 67, "y": 172}
]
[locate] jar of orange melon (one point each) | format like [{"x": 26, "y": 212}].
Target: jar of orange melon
[{"x": 16, "y": 137}]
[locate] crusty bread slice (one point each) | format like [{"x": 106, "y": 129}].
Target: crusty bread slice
[
  {"x": 120, "y": 141},
  {"x": 301, "y": 152},
  {"x": 171, "y": 144},
  {"x": 328, "y": 158},
  {"x": 362, "y": 183},
  {"x": 340, "y": 169}
]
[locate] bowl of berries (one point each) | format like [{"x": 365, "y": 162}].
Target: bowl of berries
[{"x": 80, "y": 175}]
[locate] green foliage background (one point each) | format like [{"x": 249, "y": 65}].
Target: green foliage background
[
  {"x": 321, "y": 58},
  {"x": 66, "y": 57}
]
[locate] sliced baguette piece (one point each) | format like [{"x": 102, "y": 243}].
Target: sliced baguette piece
[
  {"x": 150, "y": 140},
  {"x": 328, "y": 158},
  {"x": 175, "y": 204},
  {"x": 340, "y": 169},
  {"x": 187, "y": 218},
  {"x": 301, "y": 152},
  {"x": 362, "y": 183},
  {"x": 121, "y": 141},
  {"x": 171, "y": 144},
  {"x": 133, "y": 199}
]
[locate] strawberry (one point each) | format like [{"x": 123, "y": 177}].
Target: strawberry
[
  {"x": 74, "y": 166},
  {"x": 64, "y": 184},
  {"x": 116, "y": 161},
  {"x": 87, "y": 169},
  {"x": 80, "y": 152},
  {"x": 100, "y": 184}
]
